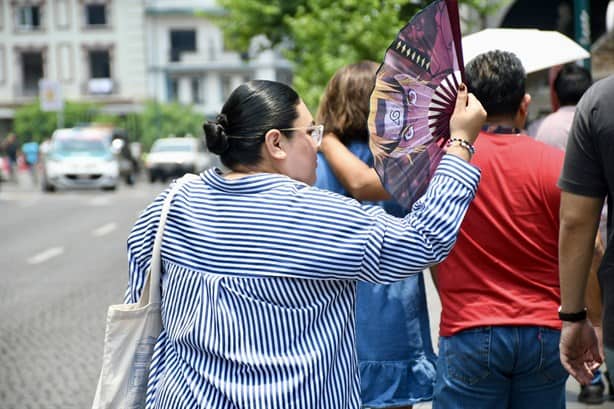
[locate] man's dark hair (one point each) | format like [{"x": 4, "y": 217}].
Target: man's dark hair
[
  {"x": 497, "y": 79},
  {"x": 571, "y": 83}
]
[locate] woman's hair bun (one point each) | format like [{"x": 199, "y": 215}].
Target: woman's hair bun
[{"x": 215, "y": 134}]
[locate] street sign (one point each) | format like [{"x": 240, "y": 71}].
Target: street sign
[{"x": 50, "y": 94}]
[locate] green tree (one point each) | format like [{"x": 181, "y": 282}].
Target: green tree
[
  {"x": 31, "y": 122},
  {"x": 161, "y": 120},
  {"x": 319, "y": 36}
]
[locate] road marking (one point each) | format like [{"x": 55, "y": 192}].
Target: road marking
[
  {"x": 46, "y": 255},
  {"x": 100, "y": 201},
  {"x": 106, "y": 229}
]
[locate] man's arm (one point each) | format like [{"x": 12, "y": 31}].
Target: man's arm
[
  {"x": 435, "y": 276},
  {"x": 593, "y": 289},
  {"x": 593, "y": 293},
  {"x": 579, "y": 221},
  {"x": 579, "y": 347},
  {"x": 357, "y": 177}
]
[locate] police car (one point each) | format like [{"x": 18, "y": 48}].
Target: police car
[{"x": 79, "y": 158}]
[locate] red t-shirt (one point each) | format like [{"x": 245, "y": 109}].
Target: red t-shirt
[{"x": 504, "y": 267}]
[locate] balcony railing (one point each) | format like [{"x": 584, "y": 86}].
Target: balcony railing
[{"x": 100, "y": 86}]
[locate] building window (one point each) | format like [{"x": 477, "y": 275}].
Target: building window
[
  {"x": 28, "y": 18},
  {"x": 197, "y": 96},
  {"x": 100, "y": 64},
  {"x": 182, "y": 41},
  {"x": 95, "y": 15},
  {"x": 100, "y": 81},
  {"x": 31, "y": 71}
]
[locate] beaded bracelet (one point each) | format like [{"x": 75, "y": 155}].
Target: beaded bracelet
[{"x": 463, "y": 143}]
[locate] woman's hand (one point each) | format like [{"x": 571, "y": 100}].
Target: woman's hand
[{"x": 468, "y": 116}]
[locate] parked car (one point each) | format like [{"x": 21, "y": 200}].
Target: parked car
[
  {"x": 174, "y": 157},
  {"x": 79, "y": 160}
]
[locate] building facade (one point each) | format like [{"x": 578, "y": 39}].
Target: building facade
[
  {"x": 187, "y": 61},
  {"x": 122, "y": 52},
  {"x": 94, "y": 49}
]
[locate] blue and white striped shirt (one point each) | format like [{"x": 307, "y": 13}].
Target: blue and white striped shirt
[{"x": 259, "y": 279}]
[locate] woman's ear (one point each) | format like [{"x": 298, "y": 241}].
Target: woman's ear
[{"x": 273, "y": 144}]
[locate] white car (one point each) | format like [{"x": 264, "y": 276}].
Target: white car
[
  {"x": 75, "y": 161},
  {"x": 174, "y": 157}
]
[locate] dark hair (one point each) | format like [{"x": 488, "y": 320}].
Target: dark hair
[
  {"x": 571, "y": 83},
  {"x": 251, "y": 110},
  {"x": 497, "y": 79},
  {"x": 344, "y": 106}
]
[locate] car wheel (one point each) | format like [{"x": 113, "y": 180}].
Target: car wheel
[
  {"x": 48, "y": 187},
  {"x": 110, "y": 188},
  {"x": 152, "y": 177}
]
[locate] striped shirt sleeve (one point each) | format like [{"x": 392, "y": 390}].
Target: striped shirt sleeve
[
  {"x": 427, "y": 234},
  {"x": 288, "y": 229}
]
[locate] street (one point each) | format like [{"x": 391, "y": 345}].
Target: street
[{"x": 64, "y": 262}]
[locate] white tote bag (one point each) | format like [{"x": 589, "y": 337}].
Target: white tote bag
[{"x": 131, "y": 333}]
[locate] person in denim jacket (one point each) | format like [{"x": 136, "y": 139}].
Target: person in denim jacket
[{"x": 393, "y": 341}]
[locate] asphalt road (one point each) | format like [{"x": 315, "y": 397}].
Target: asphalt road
[{"x": 63, "y": 261}]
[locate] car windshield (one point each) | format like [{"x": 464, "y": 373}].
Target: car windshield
[
  {"x": 172, "y": 146},
  {"x": 80, "y": 145}
]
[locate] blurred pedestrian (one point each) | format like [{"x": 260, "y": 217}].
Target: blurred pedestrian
[
  {"x": 499, "y": 288},
  {"x": 569, "y": 85},
  {"x": 260, "y": 268},
  {"x": 31, "y": 155},
  {"x": 393, "y": 343},
  {"x": 587, "y": 179},
  {"x": 11, "y": 149}
]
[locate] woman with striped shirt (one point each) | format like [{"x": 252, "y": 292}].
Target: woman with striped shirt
[{"x": 260, "y": 268}]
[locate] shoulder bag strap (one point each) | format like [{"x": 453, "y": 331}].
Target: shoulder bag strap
[{"x": 156, "y": 262}]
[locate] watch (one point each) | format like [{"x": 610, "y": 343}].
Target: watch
[{"x": 572, "y": 316}]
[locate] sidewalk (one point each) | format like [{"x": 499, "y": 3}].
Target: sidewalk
[{"x": 573, "y": 388}]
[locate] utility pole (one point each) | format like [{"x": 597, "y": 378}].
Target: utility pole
[{"x": 582, "y": 27}]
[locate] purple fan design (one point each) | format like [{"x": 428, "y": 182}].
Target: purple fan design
[{"x": 413, "y": 99}]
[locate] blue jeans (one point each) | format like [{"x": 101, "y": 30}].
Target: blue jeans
[{"x": 502, "y": 368}]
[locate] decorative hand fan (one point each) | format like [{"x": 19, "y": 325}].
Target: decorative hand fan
[{"x": 413, "y": 99}]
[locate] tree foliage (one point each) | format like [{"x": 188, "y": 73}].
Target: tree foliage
[
  {"x": 157, "y": 120},
  {"x": 30, "y": 122},
  {"x": 161, "y": 120},
  {"x": 319, "y": 36}
]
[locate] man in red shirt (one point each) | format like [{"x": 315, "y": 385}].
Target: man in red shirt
[{"x": 499, "y": 286}]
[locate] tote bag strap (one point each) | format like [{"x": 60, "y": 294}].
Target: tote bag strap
[{"x": 155, "y": 263}]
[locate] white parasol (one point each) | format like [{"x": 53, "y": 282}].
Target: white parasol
[{"x": 536, "y": 49}]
